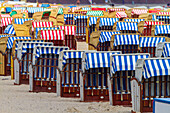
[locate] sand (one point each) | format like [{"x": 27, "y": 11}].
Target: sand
[{"x": 17, "y": 99}]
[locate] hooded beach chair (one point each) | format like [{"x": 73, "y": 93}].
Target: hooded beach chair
[
  {"x": 81, "y": 24},
  {"x": 163, "y": 49},
  {"x": 122, "y": 69},
  {"x": 148, "y": 44},
  {"x": 152, "y": 80},
  {"x": 146, "y": 27},
  {"x": 24, "y": 58},
  {"x": 135, "y": 12},
  {"x": 127, "y": 43},
  {"x": 93, "y": 77},
  {"x": 6, "y": 44},
  {"x": 69, "y": 18},
  {"x": 68, "y": 81},
  {"x": 43, "y": 69}
]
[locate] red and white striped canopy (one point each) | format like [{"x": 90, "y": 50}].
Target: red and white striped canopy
[
  {"x": 41, "y": 24},
  {"x": 116, "y": 9},
  {"x": 52, "y": 34},
  {"x": 69, "y": 30},
  {"x": 6, "y": 21},
  {"x": 74, "y": 9},
  {"x": 5, "y": 15},
  {"x": 163, "y": 13},
  {"x": 121, "y": 15},
  {"x": 153, "y": 23},
  {"x": 139, "y": 11}
]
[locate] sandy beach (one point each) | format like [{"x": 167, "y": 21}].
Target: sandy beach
[{"x": 17, "y": 99}]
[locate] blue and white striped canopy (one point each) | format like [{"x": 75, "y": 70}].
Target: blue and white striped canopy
[
  {"x": 71, "y": 54},
  {"x": 98, "y": 59},
  {"x": 9, "y": 30},
  {"x": 124, "y": 62},
  {"x": 133, "y": 20},
  {"x": 35, "y": 9},
  {"x": 86, "y": 8},
  {"x": 37, "y": 29},
  {"x": 126, "y": 39},
  {"x": 31, "y": 45},
  {"x": 68, "y": 16},
  {"x": 5, "y": 35},
  {"x": 21, "y": 20},
  {"x": 92, "y": 20},
  {"x": 49, "y": 50},
  {"x": 80, "y": 17},
  {"x": 107, "y": 21},
  {"x": 150, "y": 41},
  {"x": 166, "y": 50},
  {"x": 156, "y": 67},
  {"x": 154, "y": 17},
  {"x": 162, "y": 29},
  {"x": 163, "y": 17},
  {"x": 19, "y": 8},
  {"x": 11, "y": 40},
  {"x": 106, "y": 36},
  {"x": 127, "y": 26}
]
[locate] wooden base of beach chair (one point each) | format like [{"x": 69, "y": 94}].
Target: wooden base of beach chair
[
  {"x": 8, "y": 70},
  {"x": 126, "y": 99},
  {"x": 24, "y": 79},
  {"x": 147, "y": 106},
  {"x": 73, "y": 92},
  {"x": 44, "y": 86},
  {"x": 96, "y": 95}
]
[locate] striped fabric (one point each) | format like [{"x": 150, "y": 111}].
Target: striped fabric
[
  {"x": 35, "y": 9},
  {"x": 6, "y": 21},
  {"x": 9, "y": 30},
  {"x": 166, "y": 50},
  {"x": 98, "y": 59},
  {"x": 31, "y": 45},
  {"x": 162, "y": 17},
  {"x": 66, "y": 16},
  {"x": 86, "y": 8},
  {"x": 156, "y": 67},
  {"x": 21, "y": 20},
  {"x": 154, "y": 17},
  {"x": 139, "y": 11},
  {"x": 37, "y": 29},
  {"x": 153, "y": 23},
  {"x": 52, "y": 34},
  {"x": 71, "y": 55},
  {"x": 41, "y": 24},
  {"x": 60, "y": 11},
  {"x": 125, "y": 62},
  {"x": 163, "y": 13},
  {"x": 69, "y": 30},
  {"x": 81, "y": 23},
  {"x": 94, "y": 13},
  {"x": 150, "y": 41},
  {"x": 5, "y": 15},
  {"x": 106, "y": 36},
  {"x": 80, "y": 17},
  {"x": 75, "y": 8},
  {"x": 126, "y": 39},
  {"x": 162, "y": 29},
  {"x": 127, "y": 26},
  {"x": 19, "y": 8},
  {"x": 121, "y": 15},
  {"x": 133, "y": 20},
  {"x": 4, "y": 35},
  {"x": 11, "y": 40},
  {"x": 116, "y": 9},
  {"x": 39, "y": 50},
  {"x": 107, "y": 21},
  {"x": 92, "y": 20}
]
